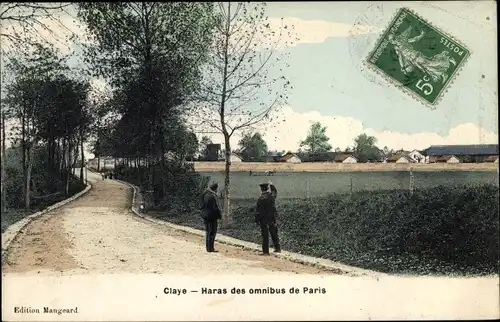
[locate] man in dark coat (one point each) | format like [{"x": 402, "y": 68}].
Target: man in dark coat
[
  {"x": 266, "y": 217},
  {"x": 210, "y": 212}
]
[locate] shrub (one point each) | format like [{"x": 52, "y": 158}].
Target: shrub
[
  {"x": 177, "y": 192},
  {"x": 436, "y": 230}
]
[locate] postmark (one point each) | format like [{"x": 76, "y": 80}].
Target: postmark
[
  {"x": 360, "y": 42},
  {"x": 417, "y": 57}
]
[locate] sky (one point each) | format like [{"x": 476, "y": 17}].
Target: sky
[{"x": 332, "y": 86}]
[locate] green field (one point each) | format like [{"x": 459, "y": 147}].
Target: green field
[{"x": 304, "y": 185}]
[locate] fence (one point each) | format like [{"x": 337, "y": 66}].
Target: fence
[{"x": 309, "y": 185}]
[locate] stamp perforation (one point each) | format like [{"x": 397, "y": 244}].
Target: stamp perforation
[{"x": 399, "y": 85}]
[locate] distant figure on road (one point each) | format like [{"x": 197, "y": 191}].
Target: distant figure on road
[
  {"x": 266, "y": 215},
  {"x": 210, "y": 212}
]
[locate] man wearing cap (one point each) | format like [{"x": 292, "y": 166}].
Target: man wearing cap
[
  {"x": 210, "y": 212},
  {"x": 266, "y": 217}
]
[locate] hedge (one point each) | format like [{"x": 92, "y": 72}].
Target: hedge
[{"x": 439, "y": 230}]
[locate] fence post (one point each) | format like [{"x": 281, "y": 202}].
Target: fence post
[
  {"x": 412, "y": 181},
  {"x": 350, "y": 185},
  {"x": 308, "y": 194}
]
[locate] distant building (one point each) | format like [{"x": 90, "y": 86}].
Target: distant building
[
  {"x": 448, "y": 159},
  {"x": 474, "y": 153},
  {"x": 417, "y": 156},
  {"x": 318, "y": 156},
  {"x": 399, "y": 159},
  {"x": 291, "y": 158},
  {"x": 272, "y": 156},
  {"x": 345, "y": 158},
  {"x": 492, "y": 159},
  {"x": 234, "y": 158},
  {"x": 102, "y": 163},
  {"x": 213, "y": 151}
]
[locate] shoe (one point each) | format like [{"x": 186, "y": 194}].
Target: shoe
[
  {"x": 277, "y": 250},
  {"x": 264, "y": 254}
]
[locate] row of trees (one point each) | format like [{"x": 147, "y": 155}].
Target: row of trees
[
  {"x": 164, "y": 63},
  {"x": 167, "y": 62},
  {"x": 51, "y": 116},
  {"x": 253, "y": 147}
]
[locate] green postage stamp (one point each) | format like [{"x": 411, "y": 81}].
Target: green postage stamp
[{"x": 418, "y": 57}]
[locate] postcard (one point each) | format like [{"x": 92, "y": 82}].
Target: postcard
[{"x": 178, "y": 161}]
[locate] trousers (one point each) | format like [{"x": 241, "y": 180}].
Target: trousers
[
  {"x": 210, "y": 233},
  {"x": 266, "y": 229}
]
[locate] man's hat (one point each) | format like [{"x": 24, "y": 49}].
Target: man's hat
[
  {"x": 264, "y": 186},
  {"x": 214, "y": 186}
]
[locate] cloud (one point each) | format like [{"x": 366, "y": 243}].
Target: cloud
[
  {"x": 318, "y": 31},
  {"x": 291, "y": 31},
  {"x": 286, "y": 135}
]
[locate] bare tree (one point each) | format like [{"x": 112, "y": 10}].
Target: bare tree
[
  {"x": 243, "y": 80},
  {"x": 22, "y": 22}
]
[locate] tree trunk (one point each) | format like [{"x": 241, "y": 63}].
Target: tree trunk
[
  {"x": 28, "y": 176},
  {"x": 23, "y": 153},
  {"x": 82, "y": 158},
  {"x": 227, "y": 219},
  {"x": 68, "y": 168},
  {"x": 4, "y": 190}
]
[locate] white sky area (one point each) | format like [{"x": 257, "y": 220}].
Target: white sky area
[
  {"x": 287, "y": 134},
  {"x": 342, "y": 130}
]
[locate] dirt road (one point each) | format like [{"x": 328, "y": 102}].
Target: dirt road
[{"x": 98, "y": 233}]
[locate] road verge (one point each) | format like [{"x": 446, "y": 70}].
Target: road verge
[
  {"x": 293, "y": 257},
  {"x": 13, "y": 230}
]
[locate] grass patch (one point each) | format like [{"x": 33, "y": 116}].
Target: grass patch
[
  {"x": 12, "y": 215},
  {"x": 440, "y": 230}
]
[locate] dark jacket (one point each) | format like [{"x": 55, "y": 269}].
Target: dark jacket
[
  {"x": 266, "y": 206},
  {"x": 209, "y": 206}
]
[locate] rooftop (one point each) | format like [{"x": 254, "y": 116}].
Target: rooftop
[{"x": 473, "y": 149}]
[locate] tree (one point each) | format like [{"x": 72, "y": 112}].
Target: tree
[
  {"x": 205, "y": 141},
  {"x": 48, "y": 108},
  {"x": 386, "y": 152},
  {"x": 239, "y": 92},
  {"x": 4, "y": 190},
  {"x": 21, "y": 21},
  {"x": 338, "y": 150},
  {"x": 253, "y": 147},
  {"x": 151, "y": 53},
  {"x": 365, "y": 149},
  {"x": 316, "y": 140}
]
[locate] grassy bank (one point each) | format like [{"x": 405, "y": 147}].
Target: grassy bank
[
  {"x": 438, "y": 230},
  {"x": 13, "y": 215}
]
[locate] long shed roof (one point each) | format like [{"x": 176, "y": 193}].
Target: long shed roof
[{"x": 474, "y": 149}]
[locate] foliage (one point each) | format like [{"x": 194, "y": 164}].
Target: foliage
[
  {"x": 180, "y": 196},
  {"x": 253, "y": 147},
  {"x": 203, "y": 149},
  {"x": 365, "y": 148},
  {"x": 47, "y": 187},
  {"x": 238, "y": 90},
  {"x": 49, "y": 110},
  {"x": 316, "y": 140},
  {"x": 439, "y": 230},
  {"x": 151, "y": 53}
]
